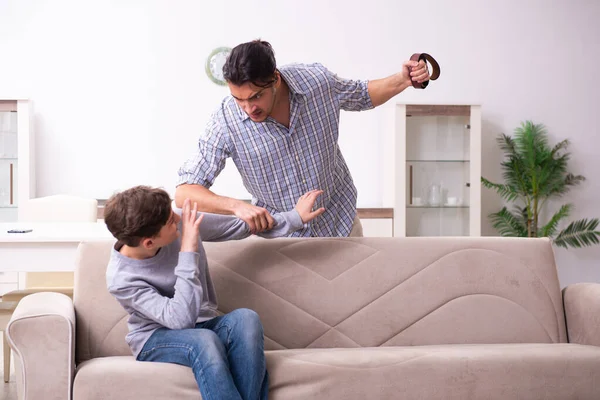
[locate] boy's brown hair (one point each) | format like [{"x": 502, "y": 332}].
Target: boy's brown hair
[{"x": 137, "y": 213}]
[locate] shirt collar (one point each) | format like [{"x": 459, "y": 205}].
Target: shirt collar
[{"x": 295, "y": 89}]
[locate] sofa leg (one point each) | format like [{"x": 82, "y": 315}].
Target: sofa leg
[{"x": 6, "y": 350}]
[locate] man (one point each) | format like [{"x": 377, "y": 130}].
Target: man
[{"x": 280, "y": 127}]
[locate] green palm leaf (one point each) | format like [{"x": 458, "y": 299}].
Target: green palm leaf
[
  {"x": 549, "y": 230},
  {"x": 513, "y": 173},
  {"x": 578, "y": 234},
  {"x": 572, "y": 180},
  {"x": 507, "y": 192},
  {"x": 507, "y": 144},
  {"x": 521, "y": 214},
  {"x": 508, "y": 224},
  {"x": 560, "y": 146},
  {"x": 531, "y": 142},
  {"x": 533, "y": 172}
]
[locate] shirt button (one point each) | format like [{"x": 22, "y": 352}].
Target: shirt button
[{"x": 303, "y": 181}]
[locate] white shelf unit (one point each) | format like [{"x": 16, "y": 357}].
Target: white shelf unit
[
  {"x": 434, "y": 170},
  {"x": 17, "y": 169}
]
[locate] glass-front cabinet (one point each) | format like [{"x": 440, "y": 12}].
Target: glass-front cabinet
[
  {"x": 16, "y": 157},
  {"x": 437, "y": 170}
]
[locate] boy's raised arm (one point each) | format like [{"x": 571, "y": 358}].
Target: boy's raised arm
[
  {"x": 218, "y": 227},
  {"x": 180, "y": 311},
  {"x": 290, "y": 223}
]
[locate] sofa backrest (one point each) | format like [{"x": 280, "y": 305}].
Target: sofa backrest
[{"x": 359, "y": 292}]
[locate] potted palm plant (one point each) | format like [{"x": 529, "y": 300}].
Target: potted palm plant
[{"x": 534, "y": 172}]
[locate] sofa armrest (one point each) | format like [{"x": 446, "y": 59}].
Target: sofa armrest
[
  {"x": 582, "y": 313},
  {"x": 41, "y": 332}
]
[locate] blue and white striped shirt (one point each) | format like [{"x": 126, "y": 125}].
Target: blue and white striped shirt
[{"x": 277, "y": 164}]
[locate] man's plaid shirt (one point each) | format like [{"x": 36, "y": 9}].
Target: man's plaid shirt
[{"x": 277, "y": 164}]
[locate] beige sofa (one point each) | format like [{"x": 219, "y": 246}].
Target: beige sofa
[{"x": 352, "y": 318}]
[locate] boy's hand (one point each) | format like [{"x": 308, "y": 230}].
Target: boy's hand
[
  {"x": 190, "y": 227},
  {"x": 306, "y": 203}
]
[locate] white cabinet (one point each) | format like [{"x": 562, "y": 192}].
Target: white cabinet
[
  {"x": 377, "y": 227},
  {"x": 17, "y": 181},
  {"x": 377, "y": 222},
  {"x": 435, "y": 169}
]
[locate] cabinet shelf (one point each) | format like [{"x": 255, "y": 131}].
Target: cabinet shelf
[
  {"x": 16, "y": 157},
  {"x": 436, "y": 156}
]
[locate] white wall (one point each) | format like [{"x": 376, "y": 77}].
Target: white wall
[{"x": 120, "y": 92}]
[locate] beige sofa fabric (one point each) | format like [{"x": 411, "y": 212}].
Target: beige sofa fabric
[
  {"x": 101, "y": 321},
  {"x": 359, "y": 292},
  {"x": 123, "y": 378},
  {"x": 510, "y": 371},
  {"x": 582, "y": 312},
  {"x": 377, "y": 291},
  {"x": 492, "y": 372},
  {"x": 355, "y": 318},
  {"x": 44, "y": 370}
]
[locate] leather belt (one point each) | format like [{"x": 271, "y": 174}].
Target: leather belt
[{"x": 434, "y": 65}]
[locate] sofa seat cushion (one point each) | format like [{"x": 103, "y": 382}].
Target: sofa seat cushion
[
  {"x": 499, "y": 371},
  {"x": 524, "y": 371},
  {"x": 124, "y": 378}
]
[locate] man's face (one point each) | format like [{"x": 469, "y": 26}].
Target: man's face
[{"x": 256, "y": 101}]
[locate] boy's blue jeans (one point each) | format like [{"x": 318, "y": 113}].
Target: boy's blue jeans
[{"x": 225, "y": 353}]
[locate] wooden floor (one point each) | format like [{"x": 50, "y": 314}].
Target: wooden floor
[{"x": 8, "y": 391}]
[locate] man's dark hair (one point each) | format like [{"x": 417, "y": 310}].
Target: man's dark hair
[
  {"x": 137, "y": 213},
  {"x": 251, "y": 62}
]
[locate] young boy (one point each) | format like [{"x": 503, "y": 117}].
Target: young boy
[{"x": 162, "y": 280}]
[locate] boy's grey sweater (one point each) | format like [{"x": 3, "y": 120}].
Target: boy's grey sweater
[{"x": 173, "y": 289}]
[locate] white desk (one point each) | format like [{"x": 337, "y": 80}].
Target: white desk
[{"x": 49, "y": 247}]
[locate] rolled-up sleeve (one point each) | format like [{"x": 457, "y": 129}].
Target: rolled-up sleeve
[
  {"x": 208, "y": 160},
  {"x": 353, "y": 95}
]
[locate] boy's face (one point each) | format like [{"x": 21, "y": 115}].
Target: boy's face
[{"x": 168, "y": 233}]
